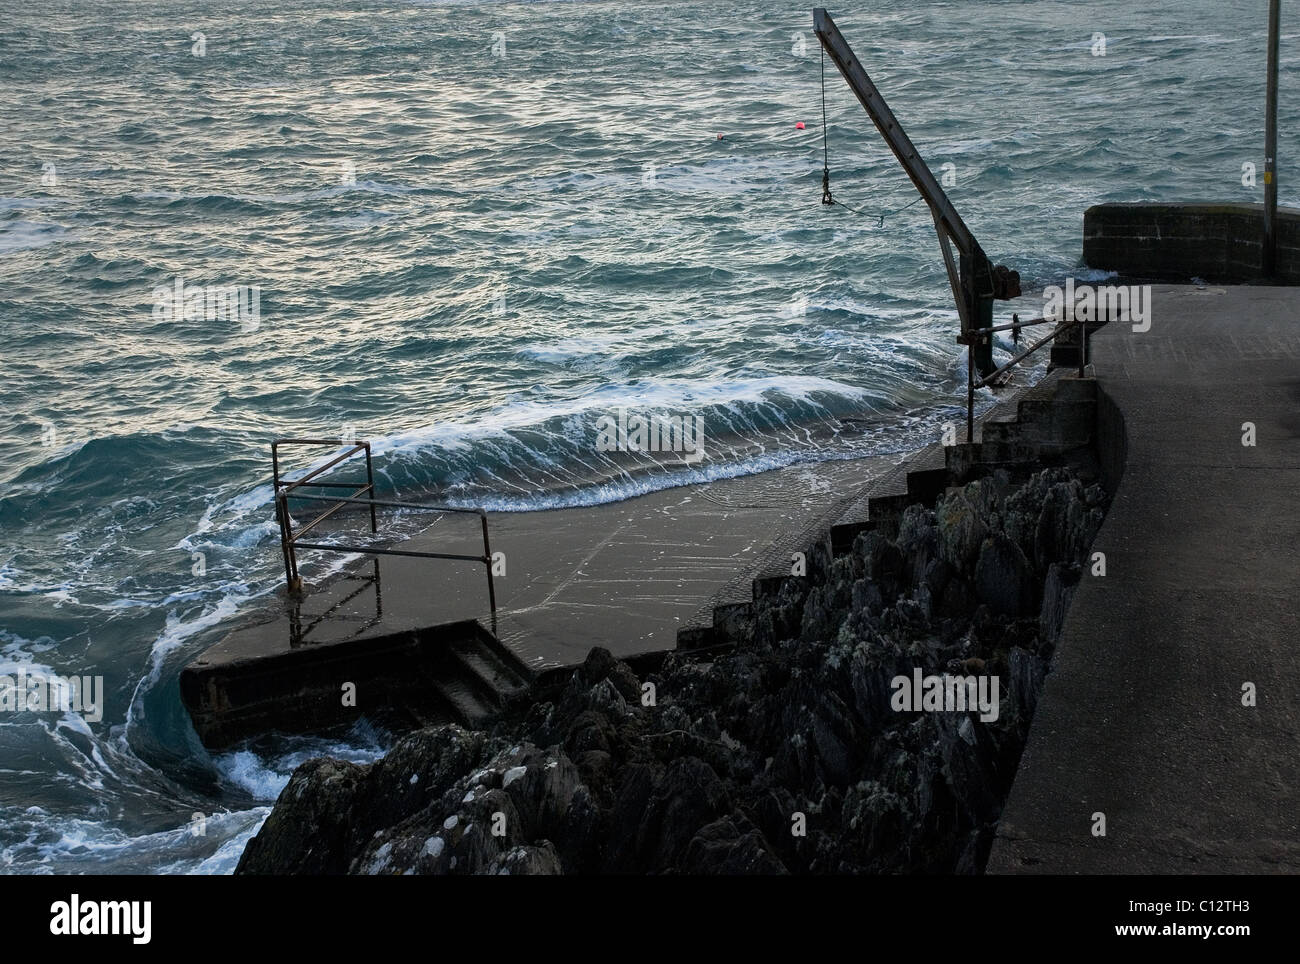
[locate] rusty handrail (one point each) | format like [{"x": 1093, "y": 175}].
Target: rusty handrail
[
  {"x": 1062, "y": 327},
  {"x": 992, "y": 376},
  {"x": 291, "y": 540}
]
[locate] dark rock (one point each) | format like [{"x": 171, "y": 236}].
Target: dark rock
[
  {"x": 867, "y": 597},
  {"x": 1026, "y": 672},
  {"x": 1004, "y": 579},
  {"x": 918, "y": 540},
  {"x": 796, "y": 720},
  {"x": 600, "y": 665},
  {"x": 591, "y": 730},
  {"x": 721, "y": 848},
  {"x": 307, "y": 831},
  {"x": 329, "y": 808},
  {"x": 688, "y": 796},
  {"x": 542, "y": 785},
  {"x": 1058, "y": 590},
  {"x": 882, "y": 560},
  {"x": 961, "y": 530}
]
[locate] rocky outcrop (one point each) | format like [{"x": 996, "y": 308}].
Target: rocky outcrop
[{"x": 787, "y": 754}]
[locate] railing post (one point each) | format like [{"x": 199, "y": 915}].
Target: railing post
[
  {"x": 1269, "y": 259},
  {"x": 286, "y": 542},
  {"x": 370, "y": 481},
  {"x": 487, "y": 560},
  {"x": 970, "y": 393}
]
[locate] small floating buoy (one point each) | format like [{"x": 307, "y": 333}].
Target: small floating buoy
[{"x": 799, "y": 126}]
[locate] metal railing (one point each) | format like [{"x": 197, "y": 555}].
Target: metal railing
[
  {"x": 1015, "y": 326},
  {"x": 291, "y": 539}
]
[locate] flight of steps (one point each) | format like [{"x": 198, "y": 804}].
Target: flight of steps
[
  {"x": 1035, "y": 425},
  {"x": 475, "y": 678}
]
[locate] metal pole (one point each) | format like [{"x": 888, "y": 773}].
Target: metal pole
[
  {"x": 1270, "y": 145},
  {"x": 970, "y": 392},
  {"x": 989, "y": 378},
  {"x": 487, "y": 557},
  {"x": 286, "y": 542},
  {"x": 370, "y": 483},
  {"x": 286, "y": 523},
  {"x": 973, "y": 305}
]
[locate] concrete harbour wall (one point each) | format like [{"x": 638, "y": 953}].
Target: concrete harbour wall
[{"x": 1221, "y": 243}]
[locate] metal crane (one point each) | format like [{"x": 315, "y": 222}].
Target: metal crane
[{"x": 975, "y": 281}]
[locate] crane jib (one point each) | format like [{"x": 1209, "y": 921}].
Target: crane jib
[{"x": 975, "y": 281}]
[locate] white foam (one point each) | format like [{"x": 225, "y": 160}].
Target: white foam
[
  {"x": 58, "y": 843},
  {"x": 175, "y": 632},
  {"x": 265, "y": 777},
  {"x": 25, "y": 235},
  {"x": 677, "y": 395}
]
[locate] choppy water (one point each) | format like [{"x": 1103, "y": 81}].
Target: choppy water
[{"x": 470, "y": 257}]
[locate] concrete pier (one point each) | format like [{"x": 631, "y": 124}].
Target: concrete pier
[
  {"x": 1147, "y": 718},
  {"x": 627, "y": 575}
]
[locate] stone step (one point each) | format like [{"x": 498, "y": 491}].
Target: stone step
[
  {"x": 857, "y": 519},
  {"x": 695, "y": 637},
  {"x": 468, "y": 707},
  {"x": 1039, "y": 411},
  {"x": 493, "y": 679},
  {"x": 1062, "y": 421},
  {"x": 1069, "y": 387},
  {"x": 986, "y": 456},
  {"x": 772, "y": 567},
  {"x": 926, "y": 485},
  {"x": 1000, "y": 431},
  {"x": 1064, "y": 351},
  {"x": 922, "y": 478},
  {"x": 731, "y": 622}
]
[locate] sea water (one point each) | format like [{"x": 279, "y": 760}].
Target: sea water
[{"x": 468, "y": 232}]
